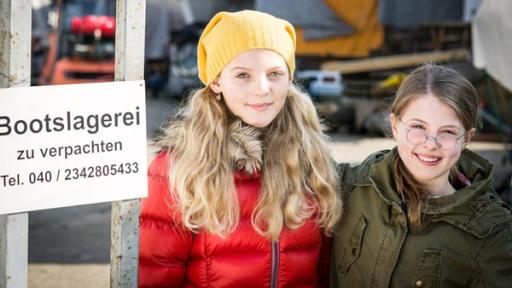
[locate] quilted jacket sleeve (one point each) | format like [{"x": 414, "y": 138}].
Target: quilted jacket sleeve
[{"x": 164, "y": 244}]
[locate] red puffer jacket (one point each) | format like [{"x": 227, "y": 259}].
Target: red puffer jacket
[{"x": 172, "y": 256}]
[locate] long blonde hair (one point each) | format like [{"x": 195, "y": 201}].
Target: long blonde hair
[{"x": 296, "y": 168}]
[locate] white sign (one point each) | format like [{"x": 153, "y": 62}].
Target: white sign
[{"x": 71, "y": 145}]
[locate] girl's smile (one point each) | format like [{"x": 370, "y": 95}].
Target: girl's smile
[
  {"x": 260, "y": 106},
  {"x": 428, "y": 160}
]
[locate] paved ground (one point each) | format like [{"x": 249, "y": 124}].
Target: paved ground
[
  {"x": 69, "y": 247},
  {"x": 50, "y": 275}
]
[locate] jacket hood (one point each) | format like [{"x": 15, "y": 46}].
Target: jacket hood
[
  {"x": 244, "y": 144},
  {"x": 476, "y": 208}
]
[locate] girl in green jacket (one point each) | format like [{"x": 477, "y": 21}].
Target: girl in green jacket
[{"x": 424, "y": 214}]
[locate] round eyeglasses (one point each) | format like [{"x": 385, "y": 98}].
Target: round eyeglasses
[{"x": 444, "y": 140}]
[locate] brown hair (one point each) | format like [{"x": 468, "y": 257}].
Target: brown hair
[{"x": 452, "y": 89}]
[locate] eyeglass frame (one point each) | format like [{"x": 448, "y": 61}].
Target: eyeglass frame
[{"x": 434, "y": 138}]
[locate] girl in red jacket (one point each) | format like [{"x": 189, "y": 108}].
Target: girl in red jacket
[{"x": 243, "y": 191}]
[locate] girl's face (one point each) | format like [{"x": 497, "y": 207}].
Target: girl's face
[
  {"x": 254, "y": 86},
  {"x": 429, "y": 159}
]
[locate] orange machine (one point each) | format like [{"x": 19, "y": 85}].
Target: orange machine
[{"x": 81, "y": 49}]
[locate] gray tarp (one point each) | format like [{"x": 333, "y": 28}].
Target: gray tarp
[
  {"x": 492, "y": 40},
  {"x": 315, "y": 18},
  {"x": 412, "y": 14}
]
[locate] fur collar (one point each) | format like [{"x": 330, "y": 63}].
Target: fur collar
[{"x": 244, "y": 144}]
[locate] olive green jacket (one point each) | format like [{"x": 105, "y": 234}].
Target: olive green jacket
[{"x": 465, "y": 239}]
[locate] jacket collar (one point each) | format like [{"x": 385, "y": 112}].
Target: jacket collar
[
  {"x": 478, "y": 170},
  {"x": 244, "y": 146},
  {"x": 473, "y": 166},
  {"x": 472, "y": 208}
]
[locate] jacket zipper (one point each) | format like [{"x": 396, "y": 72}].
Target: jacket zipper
[{"x": 275, "y": 264}]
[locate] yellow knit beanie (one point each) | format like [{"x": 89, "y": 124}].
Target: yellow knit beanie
[{"x": 229, "y": 34}]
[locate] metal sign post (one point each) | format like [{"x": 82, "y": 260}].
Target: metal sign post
[
  {"x": 129, "y": 55},
  {"x": 14, "y": 71},
  {"x": 15, "y": 43}
]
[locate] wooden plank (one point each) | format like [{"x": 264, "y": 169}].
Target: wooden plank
[
  {"x": 392, "y": 62},
  {"x": 15, "y": 33},
  {"x": 129, "y": 59}
]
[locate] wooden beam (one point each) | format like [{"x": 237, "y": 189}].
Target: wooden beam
[{"x": 397, "y": 61}]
